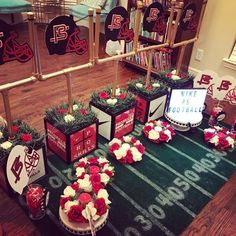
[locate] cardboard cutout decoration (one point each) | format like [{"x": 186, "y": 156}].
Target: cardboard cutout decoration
[
  {"x": 154, "y": 19},
  {"x": 117, "y": 25},
  {"x": 10, "y": 49},
  {"x": 62, "y": 36},
  {"x": 188, "y": 20}
]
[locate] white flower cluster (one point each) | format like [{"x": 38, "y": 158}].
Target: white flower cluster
[
  {"x": 69, "y": 118},
  {"x": 6, "y": 145}
]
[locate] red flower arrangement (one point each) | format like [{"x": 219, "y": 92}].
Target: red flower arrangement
[
  {"x": 220, "y": 138},
  {"x": 80, "y": 205},
  {"x": 158, "y": 131},
  {"x": 97, "y": 170},
  {"x": 127, "y": 149}
]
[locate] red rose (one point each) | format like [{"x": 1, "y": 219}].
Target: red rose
[
  {"x": 75, "y": 214},
  {"x": 82, "y": 164},
  {"x": 172, "y": 131},
  {"x": 122, "y": 96},
  {"x": 100, "y": 205},
  {"x": 93, "y": 160},
  {"x": 133, "y": 140},
  {"x": 129, "y": 157},
  {"x": 114, "y": 147},
  {"x": 104, "y": 95},
  {"x": 148, "y": 87},
  {"x": 221, "y": 135},
  {"x": 163, "y": 136},
  {"x": 26, "y": 137},
  {"x": 96, "y": 178},
  {"x": 83, "y": 112},
  {"x": 103, "y": 164},
  {"x": 63, "y": 201},
  {"x": 75, "y": 186},
  {"x": 223, "y": 144},
  {"x": 140, "y": 148},
  {"x": 208, "y": 136},
  {"x": 97, "y": 186},
  {"x": 81, "y": 176},
  {"x": 168, "y": 75},
  {"x": 14, "y": 129},
  {"x": 147, "y": 129},
  {"x": 62, "y": 111},
  {"x": 109, "y": 173}
]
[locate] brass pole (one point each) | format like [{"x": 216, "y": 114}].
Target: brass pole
[
  {"x": 152, "y": 47},
  {"x": 175, "y": 27},
  {"x": 91, "y": 35},
  {"x": 116, "y": 57},
  {"x": 201, "y": 17},
  {"x": 116, "y": 65},
  {"x": 97, "y": 33},
  {"x": 180, "y": 59},
  {"x": 170, "y": 24},
  {"x": 69, "y": 92},
  {"x": 148, "y": 78},
  {"x": 184, "y": 42},
  {"x": 8, "y": 112},
  {"x": 137, "y": 25}
]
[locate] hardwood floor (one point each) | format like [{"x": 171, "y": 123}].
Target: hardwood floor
[{"x": 30, "y": 102}]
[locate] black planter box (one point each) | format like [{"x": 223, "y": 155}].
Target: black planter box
[{"x": 72, "y": 146}]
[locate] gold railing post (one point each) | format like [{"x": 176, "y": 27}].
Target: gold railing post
[
  {"x": 69, "y": 92},
  {"x": 91, "y": 36},
  {"x": 201, "y": 17},
  {"x": 148, "y": 78},
  {"x": 180, "y": 58},
  {"x": 170, "y": 24},
  {"x": 97, "y": 33}
]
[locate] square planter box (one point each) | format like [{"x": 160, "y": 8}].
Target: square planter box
[
  {"x": 73, "y": 146},
  {"x": 36, "y": 174},
  {"x": 150, "y": 108},
  {"x": 114, "y": 125}
]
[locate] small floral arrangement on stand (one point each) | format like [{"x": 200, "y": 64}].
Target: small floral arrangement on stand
[
  {"x": 220, "y": 138},
  {"x": 153, "y": 89},
  {"x": 23, "y": 135},
  {"x": 158, "y": 131},
  {"x": 127, "y": 149},
  {"x": 96, "y": 170},
  {"x": 80, "y": 203},
  {"x": 104, "y": 99},
  {"x": 61, "y": 118},
  {"x": 175, "y": 81}
]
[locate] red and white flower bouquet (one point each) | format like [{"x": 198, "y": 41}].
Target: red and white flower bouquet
[
  {"x": 158, "y": 131},
  {"x": 219, "y": 138},
  {"x": 126, "y": 149},
  {"x": 98, "y": 170},
  {"x": 81, "y": 204}
]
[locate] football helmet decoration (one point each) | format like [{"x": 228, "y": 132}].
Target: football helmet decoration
[{"x": 62, "y": 36}]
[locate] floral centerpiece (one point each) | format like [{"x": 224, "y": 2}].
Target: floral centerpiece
[
  {"x": 97, "y": 170},
  {"x": 104, "y": 99},
  {"x": 176, "y": 81},
  {"x": 153, "y": 89},
  {"x": 23, "y": 135},
  {"x": 80, "y": 203},
  {"x": 60, "y": 117},
  {"x": 158, "y": 131},
  {"x": 219, "y": 138},
  {"x": 127, "y": 149}
]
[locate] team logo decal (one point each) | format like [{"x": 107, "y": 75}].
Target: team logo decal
[
  {"x": 62, "y": 36},
  {"x": 10, "y": 48},
  {"x": 117, "y": 25},
  {"x": 154, "y": 19}
]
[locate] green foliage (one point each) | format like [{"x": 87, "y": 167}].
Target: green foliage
[{"x": 83, "y": 117}]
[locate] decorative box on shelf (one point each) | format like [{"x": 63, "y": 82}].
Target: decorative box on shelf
[
  {"x": 71, "y": 136},
  {"x": 115, "y": 114},
  {"x": 150, "y": 99},
  {"x": 34, "y": 158},
  {"x": 171, "y": 80}
]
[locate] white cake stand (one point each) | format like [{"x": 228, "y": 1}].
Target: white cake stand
[
  {"x": 82, "y": 228},
  {"x": 184, "y": 123}
]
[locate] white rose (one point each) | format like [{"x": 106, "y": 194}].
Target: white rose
[
  {"x": 214, "y": 140},
  {"x": 69, "y": 191},
  {"x": 1, "y": 134},
  {"x": 6, "y": 145},
  {"x": 137, "y": 143},
  {"x": 89, "y": 210},
  {"x": 156, "y": 85},
  {"x": 69, "y": 118},
  {"x": 102, "y": 160},
  {"x": 137, "y": 156},
  {"x": 175, "y": 77},
  {"x": 209, "y": 130},
  {"x": 126, "y": 146},
  {"x": 79, "y": 171},
  {"x": 85, "y": 184},
  {"x": 121, "y": 152},
  {"x": 115, "y": 140},
  {"x": 168, "y": 133},
  {"x": 158, "y": 128},
  {"x": 104, "y": 178},
  {"x": 153, "y": 135},
  {"x": 218, "y": 128},
  {"x": 112, "y": 101},
  {"x": 173, "y": 72},
  {"x": 149, "y": 124},
  {"x": 102, "y": 193},
  {"x": 107, "y": 167},
  {"x": 84, "y": 159},
  {"x": 75, "y": 107},
  {"x": 138, "y": 85},
  {"x": 127, "y": 139},
  {"x": 231, "y": 141},
  {"x": 69, "y": 204},
  {"x": 158, "y": 123}
]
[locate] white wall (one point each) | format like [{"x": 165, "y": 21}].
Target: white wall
[{"x": 217, "y": 36}]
